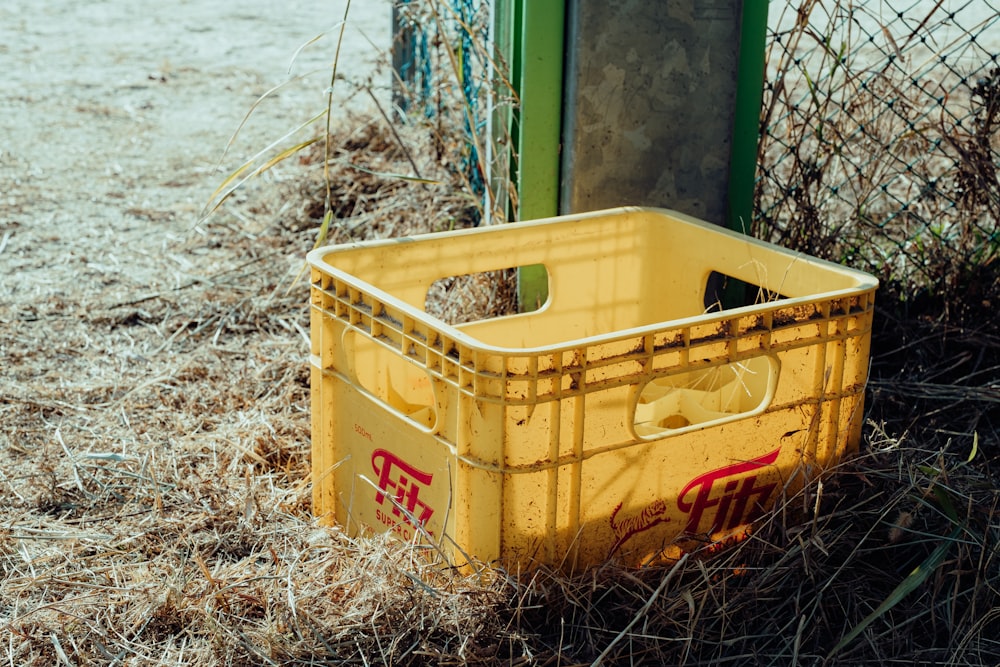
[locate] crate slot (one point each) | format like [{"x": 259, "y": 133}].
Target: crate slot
[
  {"x": 478, "y": 296},
  {"x": 702, "y": 398}
]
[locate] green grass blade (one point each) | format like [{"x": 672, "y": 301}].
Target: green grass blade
[
  {"x": 225, "y": 189},
  {"x": 905, "y": 587},
  {"x": 276, "y": 88},
  {"x": 947, "y": 506},
  {"x": 253, "y": 108},
  {"x": 283, "y": 155},
  {"x": 232, "y": 177},
  {"x": 324, "y": 230}
]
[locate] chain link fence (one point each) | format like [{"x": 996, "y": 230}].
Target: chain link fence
[
  {"x": 880, "y": 129},
  {"x": 881, "y": 140},
  {"x": 442, "y": 71}
]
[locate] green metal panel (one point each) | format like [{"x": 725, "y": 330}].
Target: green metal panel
[
  {"x": 746, "y": 124},
  {"x": 540, "y": 122},
  {"x": 538, "y": 68}
]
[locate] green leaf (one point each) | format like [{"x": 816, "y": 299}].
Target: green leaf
[
  {"x": 975, "y": 447},
  {"x": 944, "y": 500},
  {"x": 905, "y": 587}
]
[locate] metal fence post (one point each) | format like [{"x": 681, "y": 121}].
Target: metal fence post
[
  {"x": 538, "y": 77},
  {"x": 650, "y": 104}
]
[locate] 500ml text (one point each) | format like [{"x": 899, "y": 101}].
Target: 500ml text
[{"x": 360, "y": 430}]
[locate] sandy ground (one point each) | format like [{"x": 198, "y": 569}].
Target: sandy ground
[
  {"x": 114, "y": 118},
  {"x": 148, "y": 355}
]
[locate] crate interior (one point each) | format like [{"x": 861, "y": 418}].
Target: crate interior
[{"x": 606, "y": 273}]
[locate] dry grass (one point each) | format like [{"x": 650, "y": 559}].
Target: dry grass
[
  {"x": 157, "y": 503},
  {"x": 815, "y": 569},
  {"x": 155, "y": 476},
  {"x": 370, "y": 200}
]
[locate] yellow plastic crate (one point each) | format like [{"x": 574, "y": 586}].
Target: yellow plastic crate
[{"x": 621, "y": 420}]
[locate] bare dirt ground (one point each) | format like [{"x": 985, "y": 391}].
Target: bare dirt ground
[
  {"x": 114, "y": 122},
  {"x": 115, "y": 119}
]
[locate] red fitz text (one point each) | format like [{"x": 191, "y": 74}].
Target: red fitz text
[
  {"x": 735, "y": 497},
  {"x": 402, "y": 483}
]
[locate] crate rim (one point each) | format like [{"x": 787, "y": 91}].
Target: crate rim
[
  {"x": 315, "y": 256},
  {"x": 864, "y": 284}
]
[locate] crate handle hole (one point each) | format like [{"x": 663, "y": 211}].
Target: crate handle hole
[
  {"x": 723, "y": 292},
  {"x": 709, "y": 396},
  {"x": 474, "y": 297}
]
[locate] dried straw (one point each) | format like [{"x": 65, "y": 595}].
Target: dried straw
[{"x": 155, "y": 471}]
